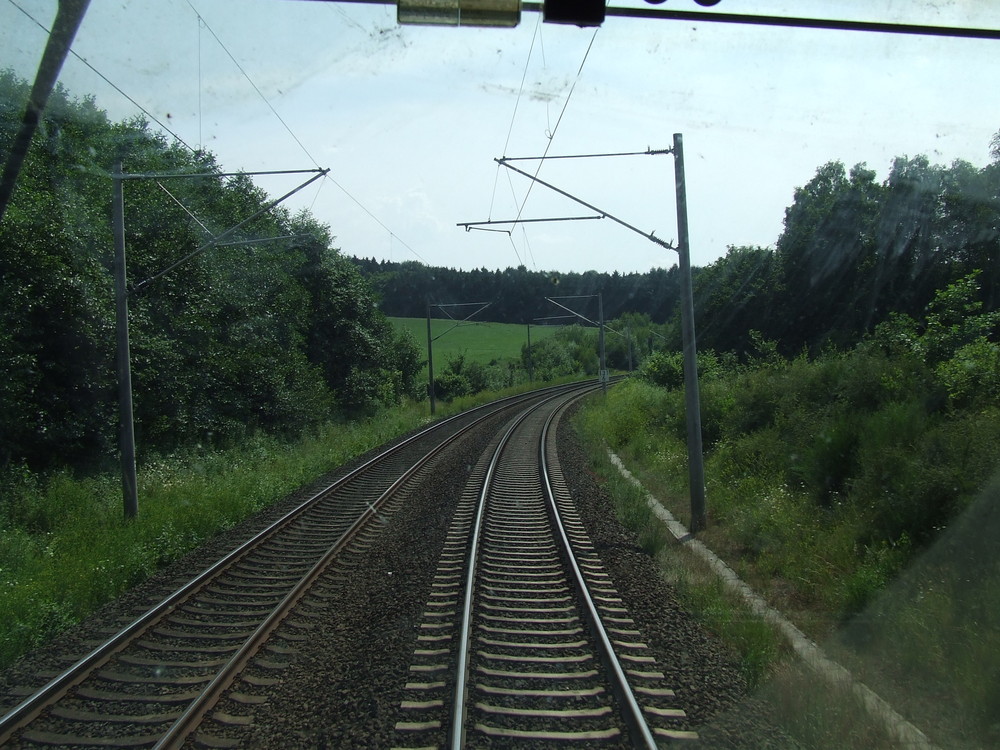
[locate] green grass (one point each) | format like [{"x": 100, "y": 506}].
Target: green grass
[
  {"x": 860, "y": 509},
  {"x": 477, "y": 342},
  {"x": 65, "y": 549}
]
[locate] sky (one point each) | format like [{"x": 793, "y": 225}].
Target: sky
[{"x": 410, "y": 119}]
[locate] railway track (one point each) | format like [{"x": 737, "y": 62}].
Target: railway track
[
  {"x": 524, "y": 641},
  {"x": 155, "y": 682}
]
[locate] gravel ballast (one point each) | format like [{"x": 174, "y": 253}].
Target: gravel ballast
[{"x": 340, "y": 686}]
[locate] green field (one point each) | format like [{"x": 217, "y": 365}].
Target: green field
[{"x": 477, "y": 342}]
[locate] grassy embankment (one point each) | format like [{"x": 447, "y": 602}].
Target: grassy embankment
[
  {"x": 65, "y": 550},
  {"x": 860, "y": 506}
]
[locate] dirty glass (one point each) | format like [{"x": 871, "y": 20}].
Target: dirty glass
[{"x": 843, "y": 202}]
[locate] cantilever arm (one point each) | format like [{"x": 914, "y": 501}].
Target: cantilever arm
[{"x": 648, "y": 235}]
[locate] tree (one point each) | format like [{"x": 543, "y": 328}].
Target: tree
[
  {"x": 735, "y": 294},
  {"x": 824, "y": 253},
  {"x": 271, "y": 336}
]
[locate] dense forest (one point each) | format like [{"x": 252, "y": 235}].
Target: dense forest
[
  {"x": 853, "y": 251},
  {"x": 517, "y": 295},
  {"x": 278, "y": 330},
  {"x": 273, "y": 330}
]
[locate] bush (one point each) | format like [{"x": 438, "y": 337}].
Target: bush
[
  {"x": 825, "y": 465},
  {"x": 972, "y": 376},
  {"x": 666, "y": 368}
]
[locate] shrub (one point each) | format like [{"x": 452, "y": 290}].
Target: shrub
[
  {"x": 825, "y": 465},
  {"x": 972, "y": 376},
  {"x": 718, "y": 401},
  {"x": 666, "y": 368}
]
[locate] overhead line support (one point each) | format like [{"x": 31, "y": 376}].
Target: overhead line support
[
  {"x": 431, "y": 339},
  {"x": 696, "y": 468},
  {"x": 478, "y": 224},
  {"x": 130, "y": 493},
  {"x": 648, "y": 235}
]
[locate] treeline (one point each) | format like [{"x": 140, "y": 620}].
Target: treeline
[
  {"x": 273, "y": 336},
  {"x": 517, "y": 295},
  {"x": 853, "y": 251}
]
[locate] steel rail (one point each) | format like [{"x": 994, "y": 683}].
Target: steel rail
[
  {"x": 30, "y": 708},
  {"x": 457, "y": 739},
  {"x": 632, "y": 711},
  {"x": 193, "y": 715}
]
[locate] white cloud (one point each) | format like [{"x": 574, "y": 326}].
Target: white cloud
[{"x": 410, "y": 119}]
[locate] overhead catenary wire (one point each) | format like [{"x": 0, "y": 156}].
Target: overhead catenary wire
[
  {"x": 549, "y": 133},
  {"x": 296, "y": 138},
  {"x": 551, "y": 136},
  {"x": 254, "y": 85},
  {"x": 510, "y": 130},
  {"x": 524, "y": 77},
  {"x": 108, "y": 81},
  {"x": 513, "y": 116},
  {"x": 376, "y": 219}
]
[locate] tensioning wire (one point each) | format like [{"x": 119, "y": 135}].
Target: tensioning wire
[
  {"x": 108, "y": 81},
  {"x": 254, "y": 85},
  {"x": 513, "y": 115}
]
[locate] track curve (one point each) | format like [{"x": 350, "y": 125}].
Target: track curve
[
  {"x": 524, "y": 641},
  {"x": 155, "y": 681}
]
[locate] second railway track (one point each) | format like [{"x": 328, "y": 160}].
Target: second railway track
[
  {"x": 156, "y": 682},
  {"x": 366, "y": 657}
]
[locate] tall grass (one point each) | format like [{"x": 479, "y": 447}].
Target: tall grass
[
  {"x": 755, "y": 641},
  {"x": 66, "y": 550},
  {"x": 826, "y": 482}
]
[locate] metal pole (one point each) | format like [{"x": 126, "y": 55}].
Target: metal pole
[
  {"x": 696, "y": 467},
  {"x": 603, "y": 376},
  {"x": 125, "y": 417},
  {"x": 69, "y": 15},
  {"x": 531, "y": 359},
  {"x": 430, "y": 360}
]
